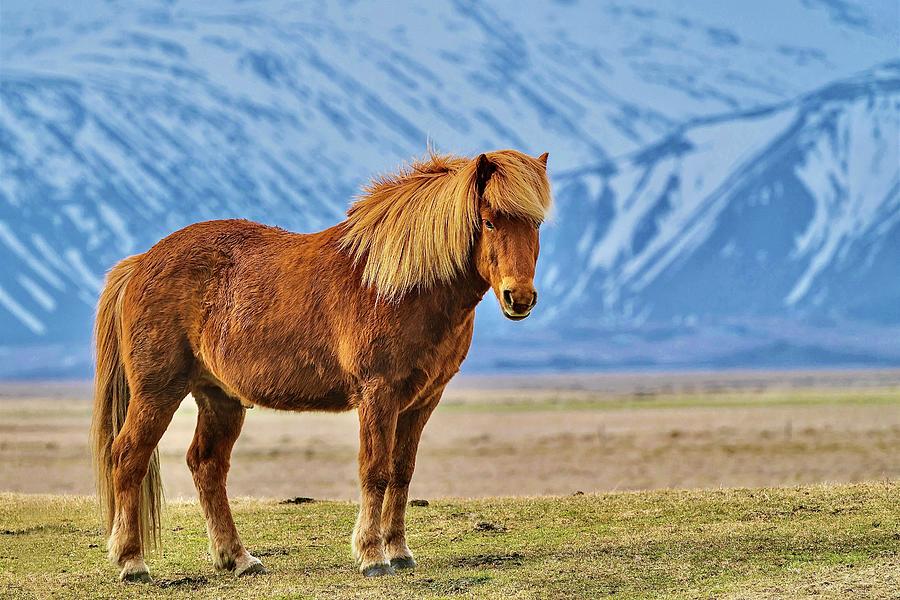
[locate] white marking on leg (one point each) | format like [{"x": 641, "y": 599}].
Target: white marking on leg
[
  {"x": 354, "y": 546},
  {"x": 132, "y": 566},
  {"x": 114, "y": 543}
]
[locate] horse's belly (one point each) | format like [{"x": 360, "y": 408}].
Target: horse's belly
[
  {"x": 297, "y": 383},
  {"x": 299, "y": 387},
  {"x": 333, "y": 400}
]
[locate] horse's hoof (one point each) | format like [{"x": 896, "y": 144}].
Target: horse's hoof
[
  {"x": 378, "y": 569},
  {"x": 403, "y": 562},
  {"x": 256, "y": 568},
  {"x": 247, "y": 564},
  {"x": 136, "y": 577}
]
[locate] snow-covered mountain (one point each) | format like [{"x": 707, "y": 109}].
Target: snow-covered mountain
[
  {"x": 726, "y": 176},
  {"x": 779, "y": 229}
]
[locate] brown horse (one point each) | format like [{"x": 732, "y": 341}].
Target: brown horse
[{"x": 375, "y": 313}]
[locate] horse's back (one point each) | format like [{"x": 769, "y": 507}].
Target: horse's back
[
  {"x": 200, "y": 244},
  {"x": 176, "y": 271},
  {"x": 177, "y": 281}
]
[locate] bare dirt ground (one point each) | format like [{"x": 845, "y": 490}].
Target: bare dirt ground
[{"x": 529, "y": 435}]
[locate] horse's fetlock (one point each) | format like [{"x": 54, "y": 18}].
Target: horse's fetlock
[{"x": 223, "y": 561}]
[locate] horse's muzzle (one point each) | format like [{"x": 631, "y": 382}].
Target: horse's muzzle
[
  {"x": 517, "y": 302},
  {"x": 514, "y": 317}
]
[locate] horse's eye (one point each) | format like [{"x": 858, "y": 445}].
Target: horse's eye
[{"x": 488, "y": 224}]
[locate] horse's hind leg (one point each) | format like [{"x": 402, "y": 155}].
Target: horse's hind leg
[
  {"x": 219, "y": 424},
  {"x": 146, "y": 420}
]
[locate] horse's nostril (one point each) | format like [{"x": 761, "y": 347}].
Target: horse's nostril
[
  {"x": 534, "y": 300},
  {"x": 507, "y": 297}
]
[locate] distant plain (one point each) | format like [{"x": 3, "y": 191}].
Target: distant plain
[{"x": 518, "y": 435}]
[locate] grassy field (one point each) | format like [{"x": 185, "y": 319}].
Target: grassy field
[{"x": 838, "y": 541}]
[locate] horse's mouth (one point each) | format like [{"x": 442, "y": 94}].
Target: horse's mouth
[{"x": 515, "y": 316}]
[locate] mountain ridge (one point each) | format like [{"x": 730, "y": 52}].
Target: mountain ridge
[{"x": 719, "y": 184}]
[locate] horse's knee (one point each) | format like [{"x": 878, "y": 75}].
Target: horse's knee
[
  {"x": 218, "y": 426},
  {"x": 206, "y": 467},
  {"x": 400, "y": 481},
  {"x": 193, "y": 460},
  {"x": 202, "y": 453},
  {"x": 375, "y": 482}
]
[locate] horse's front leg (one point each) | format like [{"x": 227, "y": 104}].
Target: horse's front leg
[
  {"x": 377, "y": 426},
  {"x": 393, "y": 518}
]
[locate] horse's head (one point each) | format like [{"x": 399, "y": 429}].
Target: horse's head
[{"x": 507, "y": 245}]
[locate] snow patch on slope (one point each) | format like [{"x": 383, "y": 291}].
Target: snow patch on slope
[{"x": 850, "y": 170}]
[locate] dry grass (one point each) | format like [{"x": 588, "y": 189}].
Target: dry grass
[{"x": 551, "y": 442}]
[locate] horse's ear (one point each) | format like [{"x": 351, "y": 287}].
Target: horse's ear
[
  {"x": 484, "y": 168},
  {"x": 543, "y": 158}
]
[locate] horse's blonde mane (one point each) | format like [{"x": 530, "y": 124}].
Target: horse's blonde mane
[{"x": 415, "y": 228}]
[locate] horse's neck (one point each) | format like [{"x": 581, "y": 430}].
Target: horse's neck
[
  {"x": 461, "y": 295},
  {"x": 458, "y": 297}
]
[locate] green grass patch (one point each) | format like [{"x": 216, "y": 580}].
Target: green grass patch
[
  {"x": 524, "y": 400},
  {"x": 820, "y": 540}
]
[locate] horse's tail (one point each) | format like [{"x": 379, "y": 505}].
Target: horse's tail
[{"x": 111, "y": 396}]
